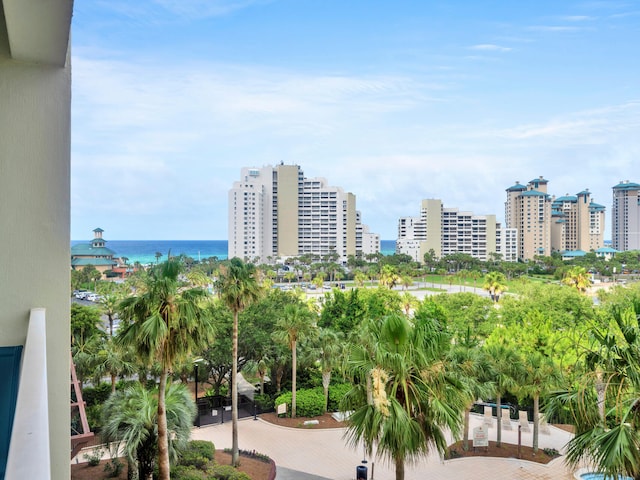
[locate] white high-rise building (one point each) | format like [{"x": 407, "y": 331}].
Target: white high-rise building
[
  {"x": 275, "y": 212},
  {"x": 447, "y": 231}
]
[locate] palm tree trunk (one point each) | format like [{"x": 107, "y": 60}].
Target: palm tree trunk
[
  {"x": 600, "y": 394},
  {"x": 113, "y": 382},
  {"x": 234, "y": 394},
  {"x": 294, "y": 359},
  {"x": 163, "y": 438},
  {"x": 465, "y": 441},
  {"x": 326, "y": 378},
  {"x": 399, "y": 468},
  {"x": 536, "y": 422}
]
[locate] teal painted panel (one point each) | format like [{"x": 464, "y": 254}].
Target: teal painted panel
[{"x": 9, "y": 379}]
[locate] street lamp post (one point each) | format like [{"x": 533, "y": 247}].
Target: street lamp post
[{"x": 195, "y": 368}]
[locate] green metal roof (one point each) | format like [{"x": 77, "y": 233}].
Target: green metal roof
[
  {"x": 627, "y": 186},
  {"x": 566, "y": 198},
  {"x": 516, "y": 188},
  {"x": 81, "y": 262},
  {"x": 538, "y": 181},
  {"x": 606, "y": 250},
  {"x": 86, "y": 249},
  {"x": 533, "y": 193},
  {"x": 574, "y": 253}
]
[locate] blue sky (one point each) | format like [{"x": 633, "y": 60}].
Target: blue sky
[{"x": 394, "y": 101}]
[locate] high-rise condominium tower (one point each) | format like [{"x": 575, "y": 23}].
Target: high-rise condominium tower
[
  {"x": 528, "y": 209},
  {"x": 275, "y": 212},
  {"x": 546, "y": 224},
  {"x": 625, "y": 212},
  {"x": 577, "y": 223},
  {"x": 447, "y": 231}
]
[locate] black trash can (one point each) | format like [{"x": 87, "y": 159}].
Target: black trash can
[{"x": 361, "y": 472}]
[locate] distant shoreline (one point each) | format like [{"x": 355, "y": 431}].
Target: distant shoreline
[{"x": 144, "y": 251}]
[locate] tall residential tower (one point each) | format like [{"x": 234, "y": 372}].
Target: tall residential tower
[
  {"x": 625, "y": 212},
  {"x": 447, "y": 231},
  {"x": 275, "y": 212},
  {"x": 546, "y": 224}
]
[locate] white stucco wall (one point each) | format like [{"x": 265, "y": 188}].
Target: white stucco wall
[{"x": 34, "y": 223}]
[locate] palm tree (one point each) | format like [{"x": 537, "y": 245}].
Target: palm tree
[
  {"x": 404, "y": 399},
  {"x": 318, "y": 280},
  {"x": 409, "y": 301},
  {"x": 495, "y": 283},
  {"x": 577, "y": 277},
  {"x": 167, "y": 322},
  {"x": 538, "y": 377},
  {"x": 505, "y": 368},
  {"x": 262, "y": 369},
  {"x": 130, "y": 419},
  {"x": 296, "y": 324},
  {"x": 158, "y": 256},
  {"x": 237, "y": 287},
  {"x": 469, "y": 362},
  {"x": 330, "y": 345},
  {"x": 359, "y": 277},
  {"x": 474, "y": 275},
  {"x": 388, "y": 276},
  {"x": 114, "y": 361},
  {"x": 109, "y": 304},
  {"x": 406, "y": 281},
  {"x": 604, "y": 403}
]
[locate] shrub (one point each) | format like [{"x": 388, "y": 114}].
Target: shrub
[
  {"x": 94, "y": 417},
  {"x": 94, "y": 457},
  {"x": 251, "y": 454},
  {"x": 113, "y": 468},
  {"x": 336, "y": 394},
  {"x": 551, "y": 452},
  {"x": 198, "y": 454},
  {"x": 309, "y": 403},
  {"x": 182, "y": 472},
  {"x": 227, "y": 472},
  {"x": 264, "y": 402},
  {"x": 96, "y": 395},
  {"x": 203, "y": 447}
]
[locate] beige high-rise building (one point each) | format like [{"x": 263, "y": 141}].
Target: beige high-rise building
[
  {"x": 447, "y": 231},
  {"x": 528, "y": 210},
  {"x": 546, "y": 224},
  {"x": 275, "y": 212},
  {"x": 577, "y": 223},
  {"x": 625, "y": 216}
]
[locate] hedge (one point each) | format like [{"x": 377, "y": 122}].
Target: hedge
[{"x": 309, "y": 402}]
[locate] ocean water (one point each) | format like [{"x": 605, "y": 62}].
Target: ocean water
[{"x": 144, "y": 251}]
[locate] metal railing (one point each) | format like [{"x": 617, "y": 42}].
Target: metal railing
[{"x": 29, "y": 451}]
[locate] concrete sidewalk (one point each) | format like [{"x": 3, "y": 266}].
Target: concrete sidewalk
[{"x": 323, "y": 454}]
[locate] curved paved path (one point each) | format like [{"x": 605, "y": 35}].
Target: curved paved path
[{"x": 323, "y": 453}]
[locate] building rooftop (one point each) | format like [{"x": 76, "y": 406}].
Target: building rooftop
[
  {"x": 627, "y": 185},
  {"x": 533, "y": 193},
  {"x": 517, "y": 187}
]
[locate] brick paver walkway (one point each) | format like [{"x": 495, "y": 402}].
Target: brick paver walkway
[{"x": 324, "y": 453}]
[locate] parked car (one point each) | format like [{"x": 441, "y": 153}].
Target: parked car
[
  {"x": 81, "y": 294},
  {"x": 93, "y": 297}
]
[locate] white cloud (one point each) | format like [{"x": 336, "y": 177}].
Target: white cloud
[
  {"x": 577, "y": 18},
  {"x": 553, "y": 28},
  {"x": 207, "y": 8},
  {"x": 490, "y": 47}
]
